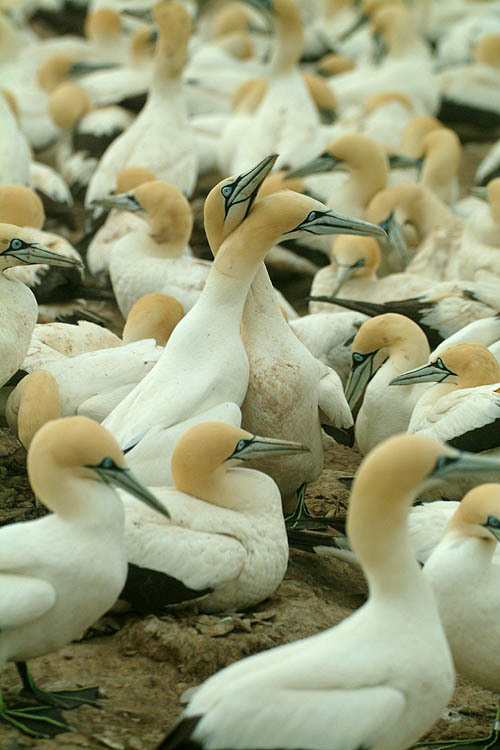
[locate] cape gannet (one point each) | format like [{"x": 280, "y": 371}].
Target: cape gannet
[
  {"x": 463, "y": 572},
  {"x": 225, "y": 542},
  {"x": 210, "y": 332},
  {"x": 336, "y": 689},
  {"x": 117, "y": 223},
  {"x": 432, "y": 233},
  {"x": 381, "y": 349},
  {"x": 160, "y": 138},
  {"x": 60, "y": 573},
  {"x": 286, "y": 119},
  {"x": 352, "y": 273},
  {"x": 155, "y": 257},
  {"x": 17, "y": 302},
  {"x": 153, "y": 316},
  {"x": 94, "y": 382}
]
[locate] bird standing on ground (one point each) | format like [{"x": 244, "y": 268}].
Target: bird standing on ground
[{"x": 60, "y": 573}]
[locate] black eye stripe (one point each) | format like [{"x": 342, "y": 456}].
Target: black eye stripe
[{"x": 444, "y": 461}]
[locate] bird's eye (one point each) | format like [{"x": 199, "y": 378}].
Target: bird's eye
[
  {"x": 16, "y": 244},
  {"x": 107, "y": 463},
  {"x": 227, "y": 190},
  {"x": 313, "y": 215},
  {"x": 357, "y": 358},
  {"x": 441, "y": 364},
  {"x": 494, "y": 522},
  {"x": 240, "y": 445}
]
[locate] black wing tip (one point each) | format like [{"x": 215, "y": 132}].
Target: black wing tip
[
  {"x": 340, "y": 435},
  {"x": 180, "y": 735},
  {"x": 150, "y": 591}
]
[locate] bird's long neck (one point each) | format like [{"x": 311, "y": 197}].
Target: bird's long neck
[
  {"x": 166, "y": 89},
  {"x": 365, "y": 182},
  {"x": 235, "y": 265},
  {"x": 428, "y": 212},
  {"x": 263, "y": 301},
  {"x": 289, "y": 43},
  {"x": 378, "y": 531},
  {"x": 94, "y": 505},
  {"x": 237, "y": 488}
]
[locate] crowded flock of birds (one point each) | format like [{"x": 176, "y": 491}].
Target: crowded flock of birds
[{"x": 174, "y": 459}]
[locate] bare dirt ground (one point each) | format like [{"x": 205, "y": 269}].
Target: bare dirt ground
[{"x": 144, "y": 664}]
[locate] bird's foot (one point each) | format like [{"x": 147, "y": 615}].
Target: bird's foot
[
  {"x": 66, "y": 699},
  {"x": 302, "y": 519},
  {"x": 60, "y": 698},
  {"x": 35, "y": 721},
  {"x": 300, "y": 515}
]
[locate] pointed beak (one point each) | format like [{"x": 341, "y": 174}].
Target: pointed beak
[
  {"x": 124, "y": 479},
  {"x": 395, "y": 238},
  {"x": 430, "y": 373},
  {"x": 344, "y": 272},
  {"x": 122, "y": 201},
  {"x": 333, "y": 223},
  {"x": 358, "y": 379},
  {"x": 324, "y": 163},
  {"x": 248, "y": 184},
  {"x": 463, "y": 463},
  {"x": 262, "y": 446},
  {"x": 87, "y": 66},
  {"x": 33, "y": 253}
]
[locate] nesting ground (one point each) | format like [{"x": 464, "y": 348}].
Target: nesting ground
[{"x": 144, "y": 664}]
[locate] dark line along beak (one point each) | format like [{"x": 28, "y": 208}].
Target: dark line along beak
[
  {"x": 362, "y": 21},
  {"x": 127, "y": 481},
  {"x": 246, "y": 186},
  {"x": 87, "y": 66},
  {"x": 122, "y": 201},
  {"x": 246, "y": 450},
  {"x": 434, "y": 372},
  {"x": 32, "y": 253},
  {"x": 401, "y": 161},
  {"x": 323, "y": 163},
  {"x": 395, "y": 238},
  {"x": 463, "y": 463},
  {"x": 479, "y": 192},
  {"x": 360, "y": 375},
  {"x": 329, "y": 222}
]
